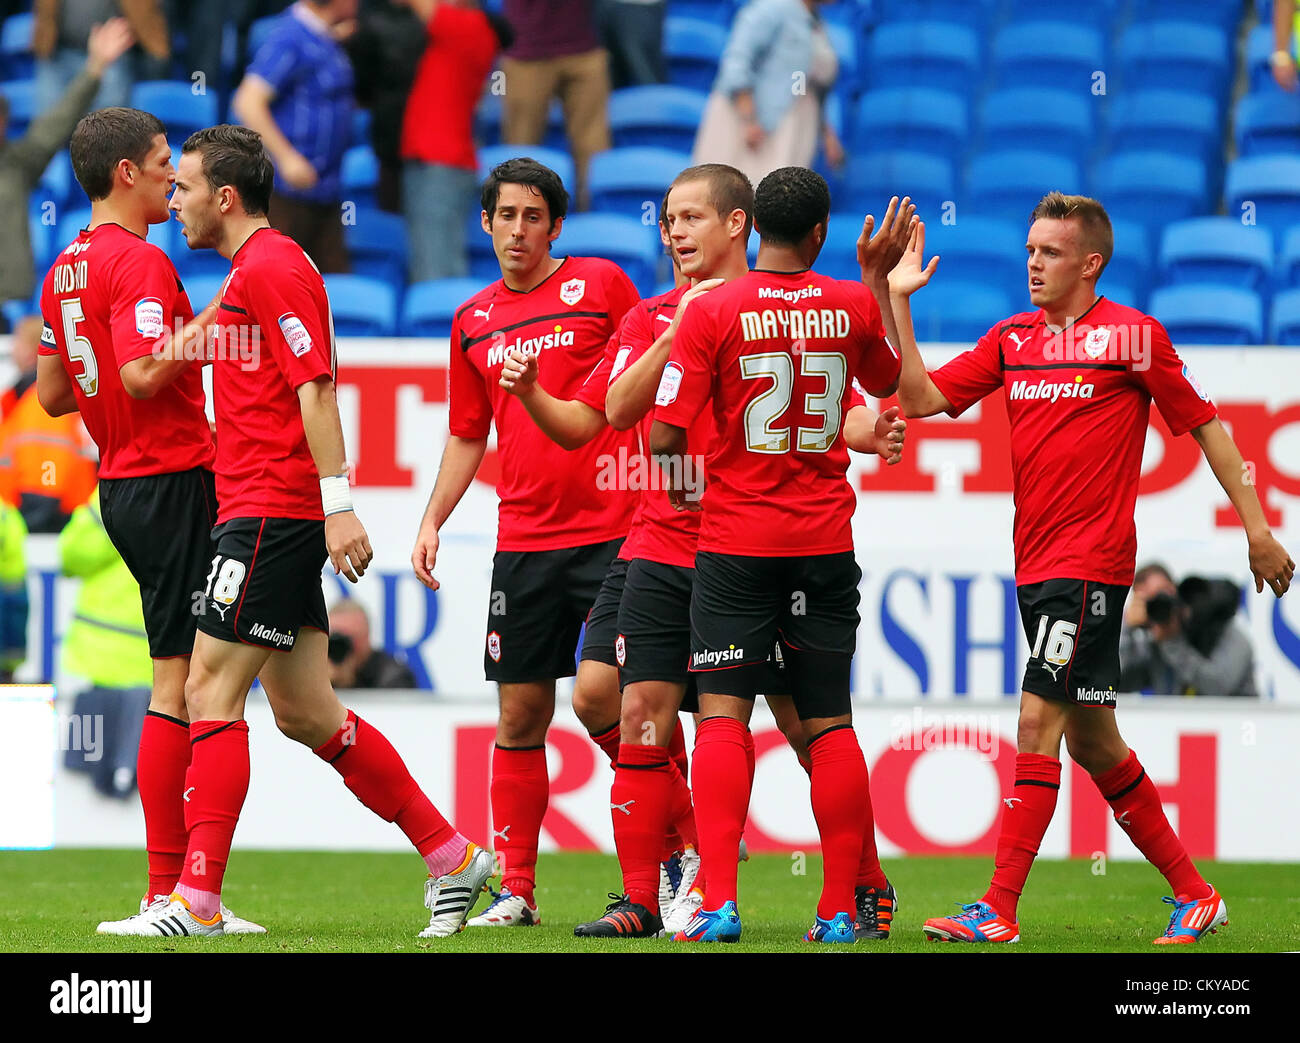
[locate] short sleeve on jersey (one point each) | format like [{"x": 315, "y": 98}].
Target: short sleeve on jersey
[
  {"x": 48, "y": 345},
  {"x": 594, "y": 388},
  {"x": 687, "y": 381},
  {"x": 1177, "y": 393},
  {"x": 143, "y": 304},
  {"x": 879, "y": 364},
  {"x": 469, "y": 408},
  {"x": 971, "y": 375},
  {"x": 620, "y": 295},
  {"x": 287, "y": 306}
]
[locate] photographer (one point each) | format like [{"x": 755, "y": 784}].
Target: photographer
[
  {"x": 1181, "y": 640},
  {"x": 353, "y": 663}
]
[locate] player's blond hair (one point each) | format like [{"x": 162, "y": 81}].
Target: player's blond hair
[{"x": 1094, "y": 222}]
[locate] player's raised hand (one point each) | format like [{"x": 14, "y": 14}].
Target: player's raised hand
[
  {"x": 879, "y": 249},
  {"x": 348, "y": 545},
  {"x": 1270, "y": 564},
  {"x": 425, "y": 556},
  {"x": 519, "y": 373},
  {"x": 891, "y": 430},
  {"x": 698, "y": 290},
  {"x": 911, "y": 273}
]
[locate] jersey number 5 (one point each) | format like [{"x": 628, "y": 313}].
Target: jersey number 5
[
  {"x": 79, "y": 349},
  {"x": 760, "y": 435}
]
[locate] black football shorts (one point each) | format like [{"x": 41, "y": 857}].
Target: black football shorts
[{"x": 1072, "y": 626}]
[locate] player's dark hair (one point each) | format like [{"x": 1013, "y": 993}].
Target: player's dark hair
[
  {"x": 235, "y": 156},
  {"x": 789, "y": 203},
  {"x": 104, "y": 138},
  {"x": 1094, "y": 222},
  {"x": 729, "y": 189},
  {"x": 526, "y": 171}
]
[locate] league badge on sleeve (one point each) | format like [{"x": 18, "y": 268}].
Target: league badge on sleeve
[
  {"x": 295, "y": 334},
  {"x": 1196, "y": 384},
  {"x": 47, "y": 336},
  {"x": 669, "y": 385},
  {"x": 149, "y": 317},
  {"x": 573, "y": 291}
]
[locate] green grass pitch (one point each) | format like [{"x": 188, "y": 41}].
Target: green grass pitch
[{"x": 50, "y": 901}]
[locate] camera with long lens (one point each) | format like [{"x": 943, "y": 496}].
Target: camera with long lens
[
  {"x": 1160, "y": 608},
  {"x": 340, "y": 647}
]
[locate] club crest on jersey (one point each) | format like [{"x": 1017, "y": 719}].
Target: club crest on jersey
[
  {"x": 295, "y": 334},
  {"x": 149, "y": 317},
  {"x": 1196, "y": 384},
  {"x": 572, "y": 291},
  {"x": 494, "y": 646},
  {"x": 669, "y": 385},
  {"x": 1098, "y": 340},
  {"x": 620, "y": 650}
]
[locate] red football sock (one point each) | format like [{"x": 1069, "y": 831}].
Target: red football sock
[
  {"x": 1136, "y": 803},
  {"x": 160, "y": 770},
  {"x": 677, "y": 749},
  {"x": 608, "y": 740},
  {"x": 839, "y": 780},
  {"x": 639, "y": 805},
  {"x": 1024, "y": 821},
  {"x": 749, "y": 756},
  {"x": 520, "y": 790},
  {"x": 216, "y": 784},
  {"x": 721, "y": 790},
  {"x": 375, "y": 772},
  {"x": 681, "y": 810},
  {"x": 870, "y": 873}
]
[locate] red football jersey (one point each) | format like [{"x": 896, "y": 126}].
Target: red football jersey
[
  {"x": 777, "y": 352},
  {"x": 275, "y": 334},
  {"x": 107, "y": 301},
  {"x": 551, "y": 498},
  {"x": 1078, "y": 401}
]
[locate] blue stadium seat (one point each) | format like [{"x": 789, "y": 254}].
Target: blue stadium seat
[
  {"x": 1268, "y": 123},
  {"x": 1039, "y": 118},
  {"x": 916, "y": 118},
  {"x": 201, "y": 289},
  {"x": 560, "y": 162},
  {"x": 1096, "y": 14},
  {"x": 361, "y": 120},
  {"x": 719, "y": 11},
  {"x": 1288, "y": 260},
  {"x": 1175, "y": 55},
  {"x": 1048, "y": 54},
  {"x": 1151, "y": 188},
  {"x": 1284, "y": 324},
  {"x": 42, "y": 236},
  {"x": 633, "y": 246},
  {"x": 979, "y": 249},
  {"x": 360, "y": 175},
  {"x": 361, "y": 307},
  {"x": 657, "y": 116},
  {"x": 166, "y": 235},
  {"x": 1123, "y": 294},
  {"x": 1010, "y": 183},
  {"x": 844, "y": 41},
  {"x": 922, "y": 54},
  {"x": 483, "y": 264},
  {"x": 626, "y": 180},
  {"x": 16, "y": 59},
  {"x": 969, "y": 14},
  {"x": 69, "y": 226},
  {"x": 1218, "y": 250},
  {"x": 1185, "y": 122},
  {"x": 1223, "y": 14},
  {"x": 377, "y": 246},
  {"x": 176, "y": 105},
  {"x": 58, "y": 184},
  {"x": 873, "y": 177},
  {"x": 487, "y": 123},
  {"x": 430, "y": 306},
  {"x": 1200, "y": 313},
  {"x": 1266, "y": 188},
  {"x": 839, "y": 256},
  {"x": 1259, "y": 46},
  {"x": 21, "y": 96},
  {"x": 958, "y": 312},
  {"x": 1130, "y": 263},
  {"x": 692, "y": 49}
]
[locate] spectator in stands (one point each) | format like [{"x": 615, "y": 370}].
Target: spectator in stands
[
  {"x": 13, "y": 592},
  {"x": 61, "y": 42},
  {"x": 23, "y": 161},
  {"x": 385, "y": 51},
  {"x": 204, "y": 25},
  {"x": 1181, "y": 640},
  {"x": 556, "y": 53},
  {"x": 766, "y": 109},
  {"x": 353, "y": 663},
  {"x": 1286, "y": 28},
  {"x": 106, "y": 645},
  {"x": 298, "y": 95},
  {"x": 440, "y": 180},
  {"x": 22, "y": 349},
  {"x": 47, "y": 464},
  {"x": 633, "y": 34}
]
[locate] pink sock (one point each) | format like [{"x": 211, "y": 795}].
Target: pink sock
[{"x": 448, "y": 857}]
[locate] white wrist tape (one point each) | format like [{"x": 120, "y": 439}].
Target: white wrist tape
[{"x": 335, "y": 494}]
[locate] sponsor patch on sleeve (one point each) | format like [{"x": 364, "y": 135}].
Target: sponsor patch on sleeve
[
  {"x": 669, "y": 385},
  {"x": 149, "y": 317},
  {"x": 295, "y": 334},
  {"x": 1196, "y": 384}
]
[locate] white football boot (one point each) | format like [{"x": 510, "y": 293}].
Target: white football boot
[
  {"x": 450, "y": 898},
  {"x": 167, "y": 916}
]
